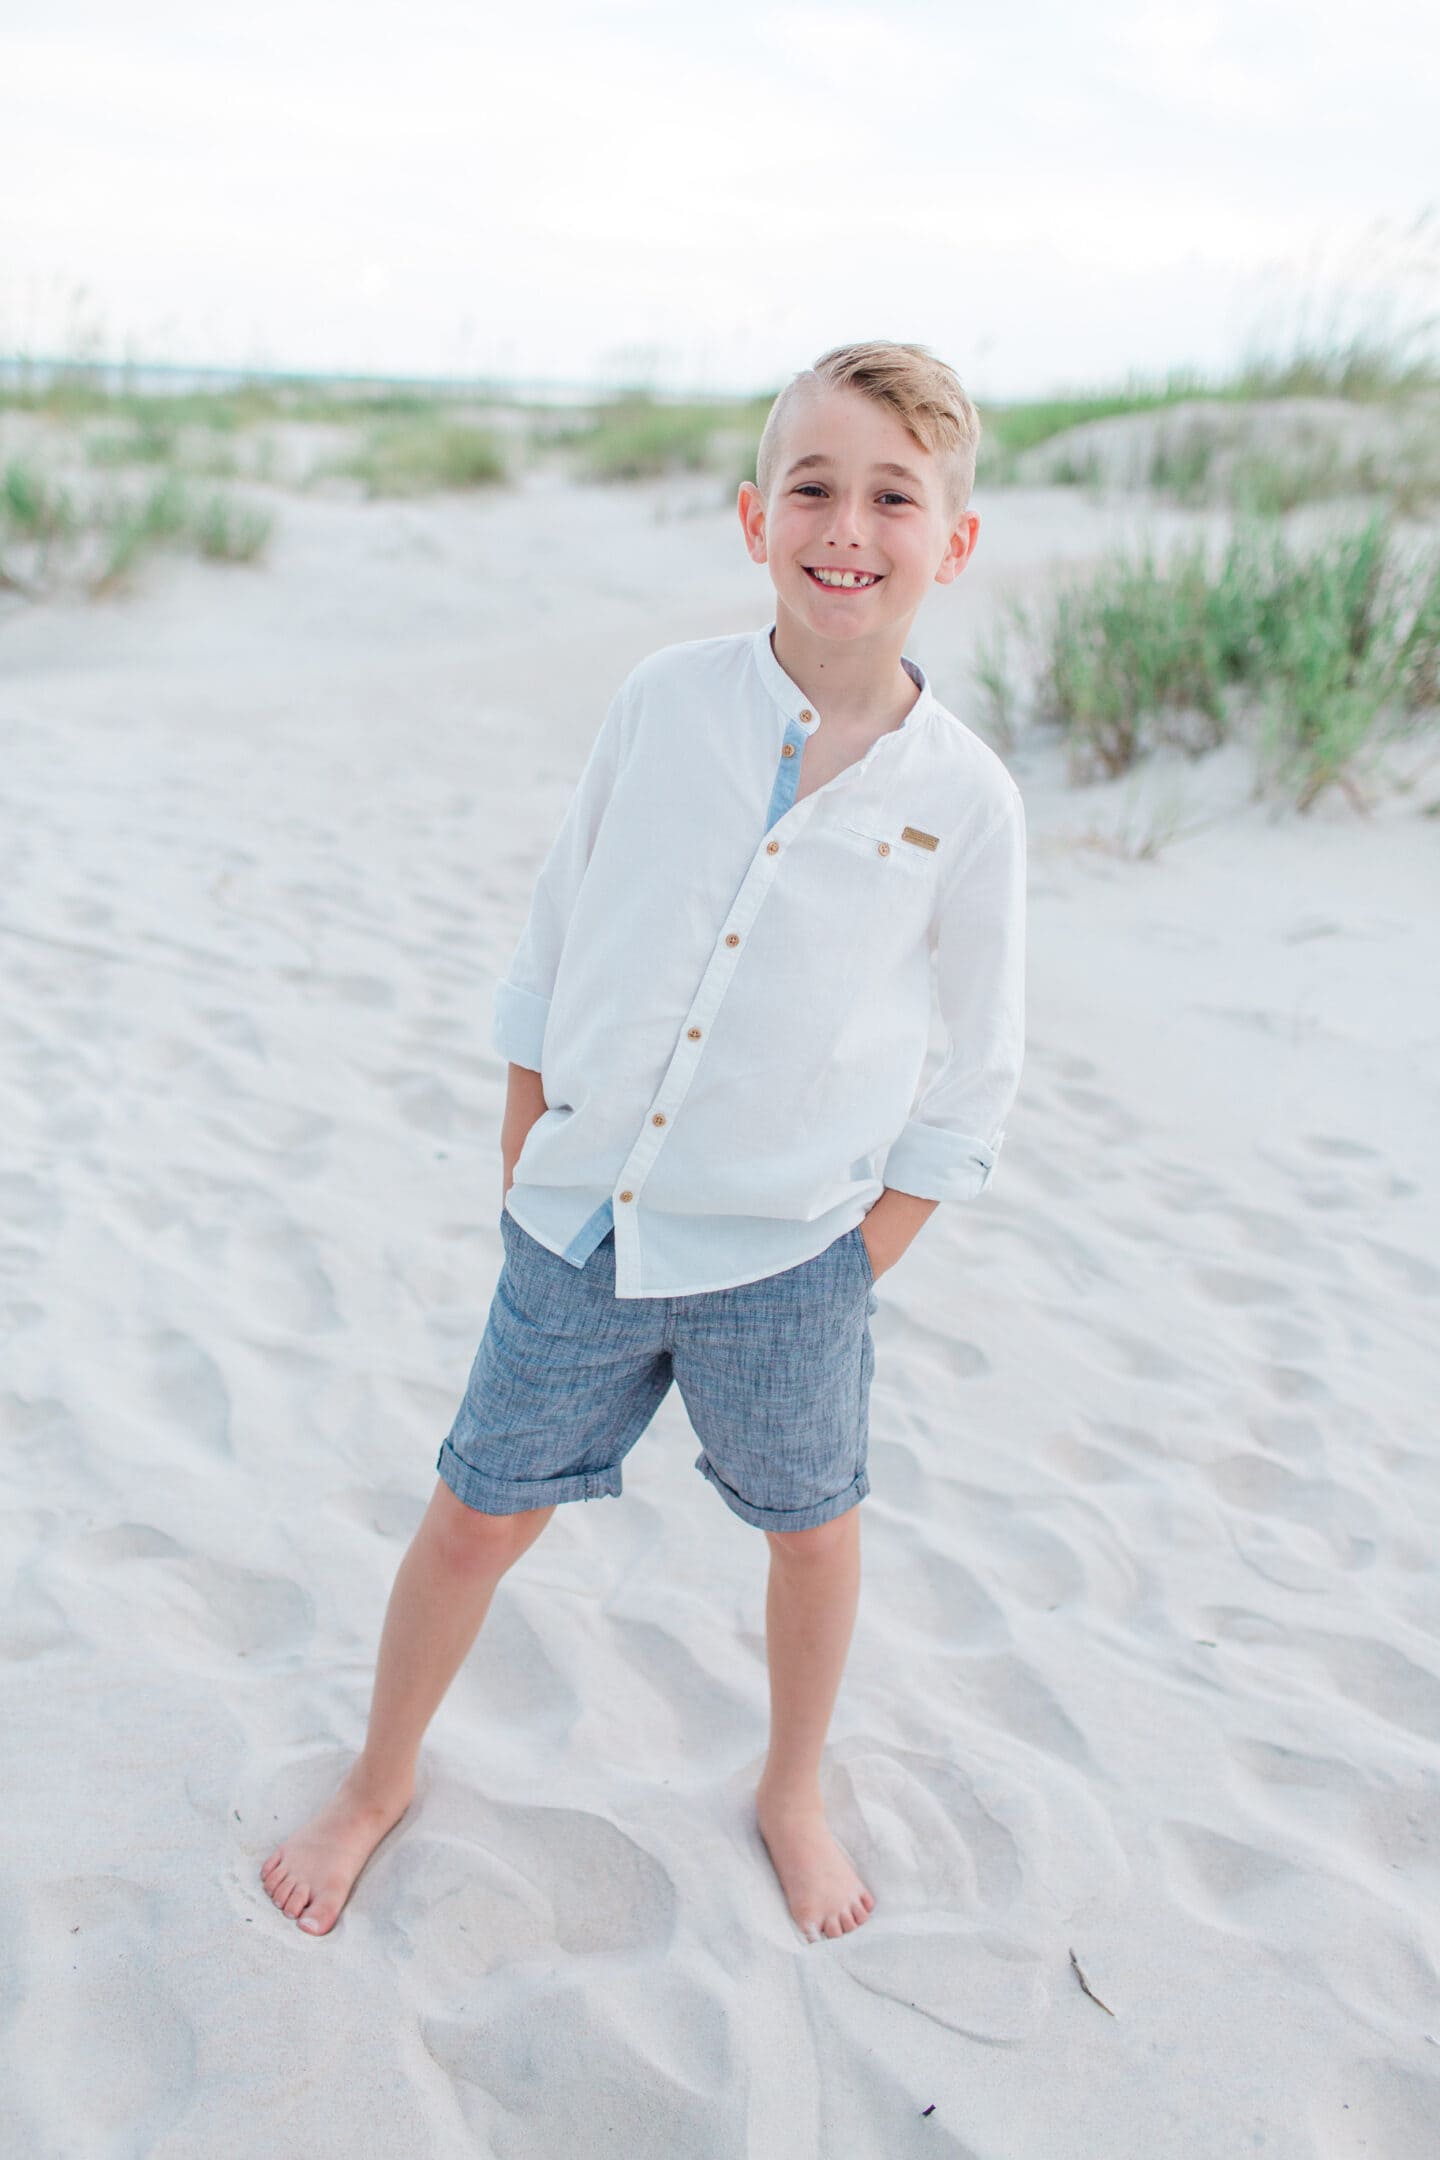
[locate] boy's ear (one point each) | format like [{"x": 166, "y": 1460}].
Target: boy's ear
[
  {"x": 750, "y": 504},
  {"x": 960, "y": 548}
]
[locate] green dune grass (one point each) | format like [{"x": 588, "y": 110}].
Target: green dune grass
[{"x": 1323, "y": 651}]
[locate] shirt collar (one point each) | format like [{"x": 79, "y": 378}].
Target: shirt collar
[{"x": 793, "y": 702}]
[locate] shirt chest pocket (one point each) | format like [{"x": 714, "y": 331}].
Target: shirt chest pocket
[{"x": 893, "y": 860}]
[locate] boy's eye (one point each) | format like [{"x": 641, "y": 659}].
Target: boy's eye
[{"x": 812, "y": 487}]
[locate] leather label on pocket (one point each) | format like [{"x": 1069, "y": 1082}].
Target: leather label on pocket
[{"x": 917, "y": 838}]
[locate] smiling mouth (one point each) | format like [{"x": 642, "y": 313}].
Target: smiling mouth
[{"x": 842, "y": 580}]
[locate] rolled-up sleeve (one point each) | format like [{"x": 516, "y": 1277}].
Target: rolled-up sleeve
[
  {"x": 948, "y": 1147},
  {"x": 522, "y": 996}
]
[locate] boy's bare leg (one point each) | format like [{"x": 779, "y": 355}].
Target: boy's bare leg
[
  {"x": 441, "y": 1594},
  {"x": 810, "y": 1608}
]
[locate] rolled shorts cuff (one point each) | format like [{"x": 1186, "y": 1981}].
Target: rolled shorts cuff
[
  {"x": 515, "y": 1496},
  {"x": 801, "y": 1518}
]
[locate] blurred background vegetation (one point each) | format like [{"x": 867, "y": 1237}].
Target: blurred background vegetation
[{"x": 1320, "y": 651}]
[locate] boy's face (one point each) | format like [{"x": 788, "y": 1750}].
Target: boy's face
[{"x": 841, "y": 510}]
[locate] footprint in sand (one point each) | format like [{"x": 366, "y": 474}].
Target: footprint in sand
[
  {"x": 1392, "y": 1820},
  {"x": 1048, "y": 1059},
  {"x": 1399, "y": 1270},
  {"x": 686, "y": 1710},
  {"x": 230, "y": 1027},
  {"x": 95, "y": 2004},
  {"x": 650, "y": 2070},
  {"x": 372, "y": 992},
  {"x": 1336, "y": 1147},
  {"x": 927, "y": 1347},
  {"x": 944, "y": 1601},
  {"x": 190, "y": 1391},
  {"x": 426, "y": 1102},
  {"x": 1376, "y": 1676},
  {"x": 513, "y": 1680},
  {"x": 391, "y": 1512},
  {"x": 18, "y": 1315},
  {"x": 1134, "y": 1356},
  {"x": 273, "y": 1272},
  {"x": 1185, "y": 1190},
  {"x": 1331, "y": 1172},
  {"x": 1234, "y": 1287},
  {"x": 1279, "y": 1236},
  {"x": 1108, "y": 1120},
  {"x": 1336, "y": 1513},
  {"x": 919, "y": 1822},
  {"x": 1046, "y": 1260},
  {"x": 269, "y": 1128},
  {"x": 1293, "y": 1384},
  {"x": 948, "y": 1874},
  {"x": 482, "y": 1883},
  {"x": 33, "y": 1623},
  {"x": 29, "y": 1204},
  {"x": 1308, "y": 1910},
  {"x": 205, "y": 1610}
]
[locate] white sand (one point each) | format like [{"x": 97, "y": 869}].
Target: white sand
[{"x": 1148, "y": 1661}]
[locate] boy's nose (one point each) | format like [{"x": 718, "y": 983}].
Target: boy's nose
[{"x": 845, "y": 526}]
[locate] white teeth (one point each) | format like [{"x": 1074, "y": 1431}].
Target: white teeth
[{"x": 842, "y": 577}]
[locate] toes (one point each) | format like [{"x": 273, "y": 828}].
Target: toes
[
  {"x": 273, "y": 1862},
  {"x": 298, "y": 1899},
  {"x": 279, "y": 1885},
  {"x": 835, "y": 1924},
  {"x": 319, "y": 1919}
]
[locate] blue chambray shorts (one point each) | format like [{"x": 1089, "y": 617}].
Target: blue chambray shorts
[{"x": 775, "y": 1377}]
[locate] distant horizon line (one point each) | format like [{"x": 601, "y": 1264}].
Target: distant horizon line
[
  {"x": 242, "y": 371},
  {"x": 580, "y": 388}
]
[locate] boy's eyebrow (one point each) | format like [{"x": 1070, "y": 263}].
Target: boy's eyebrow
[{"x": 818, "y": 457}]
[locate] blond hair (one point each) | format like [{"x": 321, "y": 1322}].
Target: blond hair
[{"x": 925, "y": 395}]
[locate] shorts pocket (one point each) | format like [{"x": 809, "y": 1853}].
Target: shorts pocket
[{"x": 864, "y": 1252}]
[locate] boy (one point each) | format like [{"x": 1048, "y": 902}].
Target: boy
[{"x": 715, "y": 1023}]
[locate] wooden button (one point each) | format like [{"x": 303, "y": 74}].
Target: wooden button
[
  {"x": 732, "y": 939},
  {"x": 627, "y": 1195},
  {"x": 693, "y": 1033},
  {"x": 787, "y": 749},
  {"x": 658, "y": 1118},
  {"x": 772, "y": 847},
  {"x": 882, "y": 847},
  {"x": 807, "y": 714}
]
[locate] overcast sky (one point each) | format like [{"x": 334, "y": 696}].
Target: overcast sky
[{"x": 706, "y": 197}]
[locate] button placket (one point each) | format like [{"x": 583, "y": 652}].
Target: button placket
[
  {"x": 675, "y": 1082},
  {"x": 710, "y": 992},
  {"x": 800, "y": 722}
]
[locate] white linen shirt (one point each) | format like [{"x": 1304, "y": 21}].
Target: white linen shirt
[{"x": 727, "y": 993}]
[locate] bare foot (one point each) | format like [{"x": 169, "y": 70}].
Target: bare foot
[
  {"x": 822, "y": 1889},
  {"x": 311, "y": 1874}
]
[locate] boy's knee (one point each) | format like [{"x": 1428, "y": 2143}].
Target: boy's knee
[
  {"x": 817, "y": 1543},
  {"x": 468, "y": 1536}
]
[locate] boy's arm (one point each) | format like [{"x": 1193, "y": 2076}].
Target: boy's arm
[
  {"x": 522, "y": 996},
  {"x": 947, "y": 1149},
  {"x": 524, "y": 1105}
]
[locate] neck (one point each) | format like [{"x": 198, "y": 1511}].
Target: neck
[{"x": 862, "y": 679}]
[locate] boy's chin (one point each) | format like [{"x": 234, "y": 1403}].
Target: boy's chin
[{"x": 859, "y": 617}]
